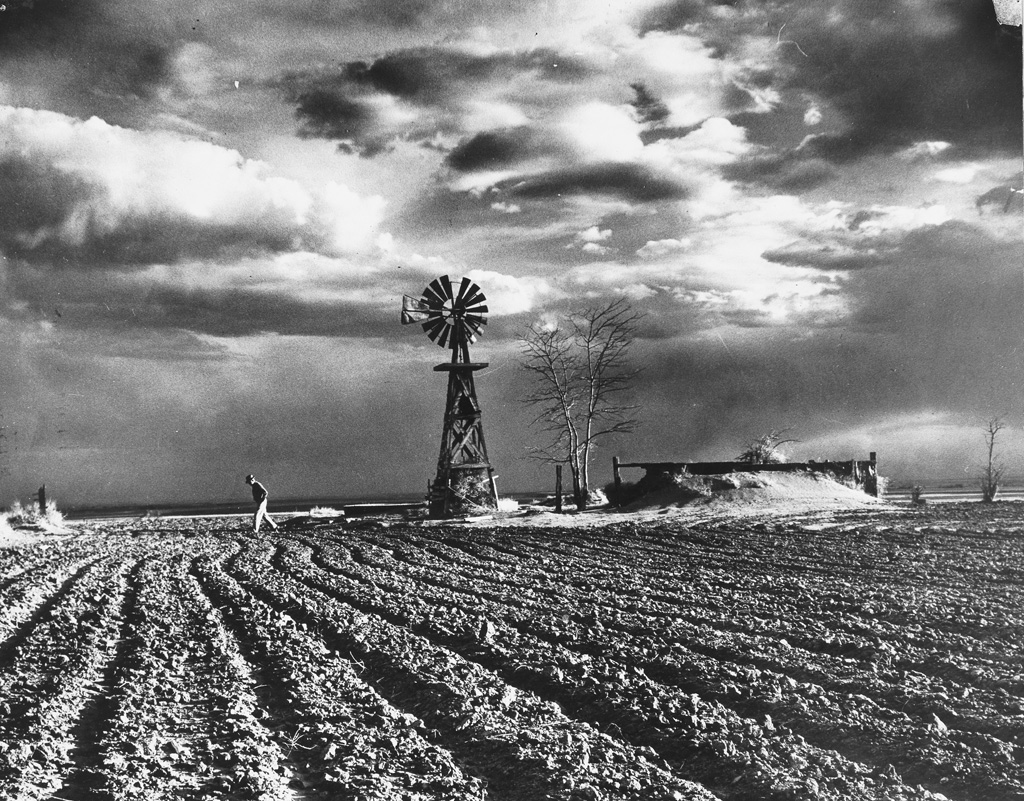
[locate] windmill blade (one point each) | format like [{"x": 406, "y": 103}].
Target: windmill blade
[
  {"x": 469, "y": 293},
  {"x": 463, "y": 289},
  {"x": 481, "y": 309},
  {"x": 474, "y": 321},
  {"x": 434, "y": 327},
  {"x": 473, "y": 295},
  {"x": 447, "y": 284},
  {"x": 443, "y": 339},
  {"x": 432, "y": 294},
  {"x": 436, "y": 290}
]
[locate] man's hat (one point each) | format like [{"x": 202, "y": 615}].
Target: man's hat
[{"x": 250, "y": 477}]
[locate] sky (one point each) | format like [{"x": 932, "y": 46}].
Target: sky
[{"x": 209, "y": 213}]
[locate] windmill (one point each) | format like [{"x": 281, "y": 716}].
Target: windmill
[{"x": 465, "y": 478}]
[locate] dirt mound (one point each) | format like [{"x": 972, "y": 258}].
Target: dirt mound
[{"x": 781, "y": 492}]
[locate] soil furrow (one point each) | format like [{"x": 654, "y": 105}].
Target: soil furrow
[
  {"x": 500, "y": 732},
  {"x": 85, "y": 781},
  {"x": 684, "y": 748}
]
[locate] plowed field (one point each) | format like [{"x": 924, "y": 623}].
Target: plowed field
[{"x": 870, "y": 654}]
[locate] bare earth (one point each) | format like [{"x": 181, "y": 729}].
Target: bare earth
[{"x": 822, "y": 646}]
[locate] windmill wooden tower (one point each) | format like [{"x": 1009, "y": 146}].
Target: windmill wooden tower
[{"x": 464, "y": 482}]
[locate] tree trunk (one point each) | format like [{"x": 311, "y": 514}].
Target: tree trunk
[
  {"x": 578, "y": 492},
  {"x": 585, "y": 472}
]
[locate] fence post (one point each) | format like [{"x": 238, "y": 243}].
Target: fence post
[
  {"x": 42, "y": 500},
  {"x": 615, "y": 471},
  {"x": 558, "y": 489}
]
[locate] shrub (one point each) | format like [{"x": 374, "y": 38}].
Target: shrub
[
  {"x": 18, "y": 515},
  {"x": 765, "y": 449}
]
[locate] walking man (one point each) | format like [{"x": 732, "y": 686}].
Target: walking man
[{"x": 260, "y": 495}]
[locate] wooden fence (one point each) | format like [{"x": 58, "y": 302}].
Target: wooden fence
[{"x": 863, "y": 473}]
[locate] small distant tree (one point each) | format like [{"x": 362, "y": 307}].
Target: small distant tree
[
  {"x": 992, "y": 475},
  {"x": 581, "y": 373},
  {"x": 765, "y": 448}
]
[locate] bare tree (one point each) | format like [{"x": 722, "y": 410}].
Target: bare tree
[
  {"x": 580, "y": 373},
  {"x": 765, "y": 448},
  {"x": 992, "y": 475}
]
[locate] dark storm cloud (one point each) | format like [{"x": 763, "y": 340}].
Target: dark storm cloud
[
  {"x": 341, "y": 104},
  {"x": 1005, "y": 199},
  {"x": 158, "y": 240},
  {"x": 37, "y": 199},
  {"x": 896, "y": 72},
  {"x": 702, "y": 15},
  {"x": 649, "y": 108},
  {"x": 629, "y": 181},
  {"x": 925, "y": 292},
  {"x": 826, "y": 257},
  {"x": 328, "y": 113},
  {"x": 903, "y": 73},
  {"x": 924, "y": 332},
  {"x": 785, "y": 171},
  {"x": 958, "y": 333},
  {"x": 96, "y": 302},
  {"x": 492, "y": 150},
  {"x": 428, "y": 75},
  {"x": 397, "y": 13},
  {"x": 34, "y": 197},
  {"x": 85, "y": 56},
  {"x": 242, "y": 312}
]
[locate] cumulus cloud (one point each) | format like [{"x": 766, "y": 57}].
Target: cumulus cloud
[
  {"x": 509, "y": 294},
  {"x": 925, "y": 150},
  {"x": 963, "y": 174},
  {"x": 594, "y": 234},
  {"x": 97, "y": 194},
  {"x": 658, "y": 249},
  {"x": 601, "y": 132},
  {"x": 878, "y": 219}
]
